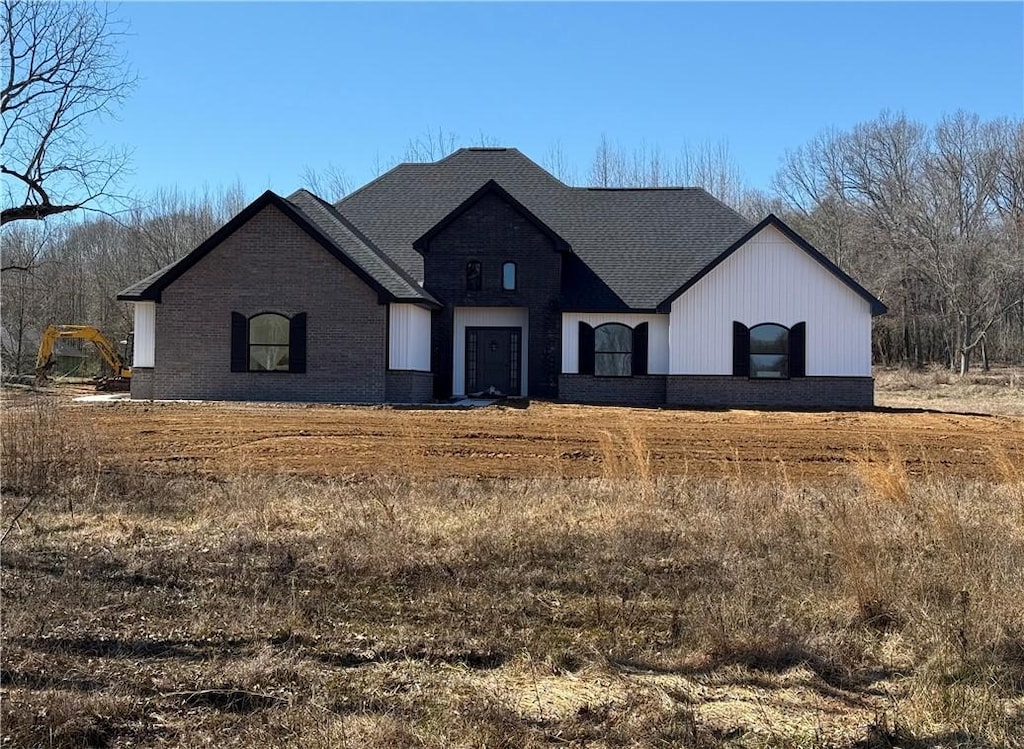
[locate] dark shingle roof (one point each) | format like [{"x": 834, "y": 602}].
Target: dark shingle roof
[
  {"x": 321, "y": 221},
  {"x": 634, "y": 246},
  {"x": 358, "y": 247}
]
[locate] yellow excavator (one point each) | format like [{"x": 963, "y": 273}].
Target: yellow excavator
[{"x": 120, "y": 374}]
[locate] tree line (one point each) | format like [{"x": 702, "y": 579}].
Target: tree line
[{"x": 930, "y": 218}]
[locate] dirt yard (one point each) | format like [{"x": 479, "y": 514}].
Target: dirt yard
[
  {"x": 543, "y": 440},
  {"x": 237, "y": 575}
]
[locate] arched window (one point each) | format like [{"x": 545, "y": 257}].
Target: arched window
[
  {"x": 769, "y": 351},
  {"x": 474, "y": 274},
  {"x": 268, "y": 342},
  {"x": 613, "y": 350},
  {"x": 508, "y": 276}
]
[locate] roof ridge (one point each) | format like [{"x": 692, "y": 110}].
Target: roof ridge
[
  {"x": 625, "y": 189},
  {"x": 506, "y": 149}
]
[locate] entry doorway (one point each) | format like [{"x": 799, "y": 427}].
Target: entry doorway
[{"x": 493, "y": 360}]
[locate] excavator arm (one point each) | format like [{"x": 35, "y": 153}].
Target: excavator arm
[{"x": 45, "y": 358}]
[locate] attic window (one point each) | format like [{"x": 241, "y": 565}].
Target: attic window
[
  {"x": 508, "y": 276},
  {"x": 473, "y": 275}
]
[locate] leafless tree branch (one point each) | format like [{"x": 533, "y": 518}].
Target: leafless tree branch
[{"x": 62, "y": 71}]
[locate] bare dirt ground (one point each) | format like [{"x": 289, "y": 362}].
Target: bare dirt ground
[{"x": 542, "y": 440}]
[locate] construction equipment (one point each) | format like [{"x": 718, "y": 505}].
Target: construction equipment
[{"x": 45, "y": 361}]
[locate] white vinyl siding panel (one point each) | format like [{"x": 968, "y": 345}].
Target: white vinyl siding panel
[
  {"x": 409, "y": 337},
  {"x": 144, "y": 339},
  {"x": 488, "y": 317},
  {"x": 770, "y": 279},
  {"x": 657, "y": 337}
]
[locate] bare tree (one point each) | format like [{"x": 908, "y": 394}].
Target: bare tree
[
  {"x": 710, "y": 165},
  {"x": 606, "y": 168},
  {"x": 557, "y": 162},
  {"x": 431, "y": 146},
  {"x": 330, "y": 183},
  {"x": 62, "y": 71}
]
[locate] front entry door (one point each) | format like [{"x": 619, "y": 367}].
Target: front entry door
[{"x": 493, "y": 360}]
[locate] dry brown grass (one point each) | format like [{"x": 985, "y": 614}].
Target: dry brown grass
[
  {"x": 632, "y": 609},
  {"x": 998, "y": 391}
]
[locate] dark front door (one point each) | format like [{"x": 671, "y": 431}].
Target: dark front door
[{"x": 493, "y": 360}]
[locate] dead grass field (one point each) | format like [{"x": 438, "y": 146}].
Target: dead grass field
[{"x": 252, "y": 575}]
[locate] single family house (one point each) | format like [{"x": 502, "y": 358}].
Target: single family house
[{"x": 483, "y": 273}]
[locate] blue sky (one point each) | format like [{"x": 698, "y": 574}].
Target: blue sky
[{"x": 254, "y": 92}]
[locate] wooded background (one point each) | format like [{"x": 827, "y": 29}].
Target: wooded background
[{"x": 929, "y": 218}]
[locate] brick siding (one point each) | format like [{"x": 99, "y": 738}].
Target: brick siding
[
  {"x": 494, "y": 232},
  {"x": 270, "y": 265},
  {"x": 407, "y": 386},
  {"x": 719, "y": 391},
  {"x": 646, "y": 390},
  {"x": 142, "y": 383},
  {"x": 799, "y": 392}
]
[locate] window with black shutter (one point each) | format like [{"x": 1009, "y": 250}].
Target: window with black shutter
[
  {"x": 769, "y": 351},
  {"x": 613, "y": 350},
  {"x": 268, "y": 342}
]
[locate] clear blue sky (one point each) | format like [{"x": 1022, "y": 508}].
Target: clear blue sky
[{"x": 253, "y": 92}]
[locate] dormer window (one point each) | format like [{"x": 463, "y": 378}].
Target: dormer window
[
  {"x": 474, "y": 274},
  {"x": 508, "y": 277}
]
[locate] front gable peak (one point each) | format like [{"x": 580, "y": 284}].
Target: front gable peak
[
  {"x": 491, "y": 187},
  {"x": 773, "y": 221}
]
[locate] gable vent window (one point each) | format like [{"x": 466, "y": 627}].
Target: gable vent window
[
  {"x": 508, "y": 277},
  {"x": 268, "y": 342},
  {"x": 474, "y": 274}
]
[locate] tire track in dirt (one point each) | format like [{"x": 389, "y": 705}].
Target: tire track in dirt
[{"x": 546, "y": 440}]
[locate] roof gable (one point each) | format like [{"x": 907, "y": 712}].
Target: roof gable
[
  {"x": 877, "y": 307},
  {"x": 491, "y": 187},
  {"x": 152, "y": 287}
]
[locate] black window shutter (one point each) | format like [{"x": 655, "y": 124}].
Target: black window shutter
[
  {"x": 740, "y": 350},
  {"x": 798, "y": 350},
  {"x": 297, "y": 343},
  {"x": 640, "y": 349},
  {"x": 586, "y": 349},
  {"x": 239, "y": 342}
]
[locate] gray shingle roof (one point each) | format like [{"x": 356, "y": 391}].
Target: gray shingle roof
[
  {"x": 138, "y": 289},
  {"x": 633, "y": 247},
  {"x": 359, "y": 248}
]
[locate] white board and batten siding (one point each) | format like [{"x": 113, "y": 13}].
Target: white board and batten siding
[
  {"x": 657, "y": 337},
  {"x": 770, "y": 279},
  {"x": 144, "y": 338},
  {"x": 408, "y": 337},
  {"x": 488, "y": 317}
]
